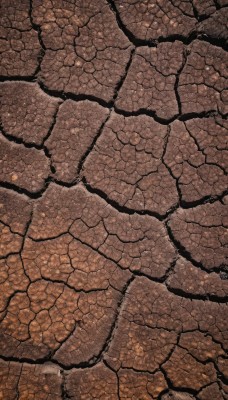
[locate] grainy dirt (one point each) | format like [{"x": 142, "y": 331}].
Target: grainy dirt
[{"x": 113, "y": 200}]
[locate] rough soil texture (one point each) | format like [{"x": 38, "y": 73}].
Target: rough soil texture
[{"x": 113, "y": 200}]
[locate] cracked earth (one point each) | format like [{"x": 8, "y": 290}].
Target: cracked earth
[{"x": 113, "y": 200}]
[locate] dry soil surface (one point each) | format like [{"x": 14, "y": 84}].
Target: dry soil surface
[{"x": 113, "y": 200}]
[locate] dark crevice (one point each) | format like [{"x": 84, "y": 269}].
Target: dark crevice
[
  {"x": 39, "y": 34},
  {"x": 31, "y": 145},
  {"x": 184, "y": 39},
  {"x": 121, "y": 82},
  {"x": 65, "y": 184},
  {"x": 204, "y": 200},
  {"x": 20, "y": 190},
  {"x": 139, "y": 371},
  {"x": 145, "y": 111},
  {"x": 23, "y": 244},
  {"x": 224, "y": 273},
  {"x": 115, "y": 322},
  {"x": 44, "y": 147},
  {"x": 54, "y": 119},
  {"x": 169, "y": 169},
  {"x": 17, "y": 78},
  {"x": 195, "y": 12},
  {"x": 176, "y": 85},
  {"x": 207, "y": 297},
  {"x": 65, "y": 283},
  {"x": 38, "y": 194},
  {"x": 123, "y": 209},
  {"x": 217, "y": 5},
  {"x": 47, "y": 239},
  {"x": 72, "y": 96},
  {"x": 26, "y": 360},
  {"x": 151, "y": 278},
  {"x": 43, "y": 361},
  {"x": 142, "y": 111},
  {"x": 90, "y": 148},
  {"x": 203, "y": 114},
  {"x": 64, "y": 393},
  {"x": 11, "y": 253},
  {"x": 221, "y": 43},
  {"x": 14, "y": 139}
]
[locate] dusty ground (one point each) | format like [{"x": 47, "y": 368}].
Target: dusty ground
[{"x": 113, "y": 276}]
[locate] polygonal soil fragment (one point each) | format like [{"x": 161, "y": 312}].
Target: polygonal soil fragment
[
  {"x": 43, "y": 320},
  {"x": 224, "y": 389},
  {"x": 172, "y": 395},
  {"x": 9, "y": 374},
  {"x": 15, "y": 210},
  {"x": 37, "y": 321},
  {"x": 202, "y": 82},
  {"x": 86, "y": 52},
  {"x": 98, "y": 382},
  {"x": 212, "y": 138},
  {"x": 23, "y": 167},
  {"x": 134, "y": 241},
  {"x": 139, "y": 385},
  {"x": 212, "y": 392},
  {"x": 223, "y": 366},
  {"x": 76, "y": 127},
  {"x": 68, "y": 260},
  {"x": 188, "y": 279},
  {"x": 95, "y": 317},
  {"x": 24, "y": 381},
  {"x": 197, "y": 156},
  {"x": 201, "y": 346},
  {"x": 12, "y": 278},
  {"x": 103, "y": 277},
  {"x": 184, "y": 371},
  {"x": 140, "y": 347},
  {"x": 203, "y": 8},
  {"x": 26, "y": 111},
  {"x": 150, "y": 81},
  {"x": 222, "y": 3},
  {"x": 20, "y": 47},
  {"x": 126, "y": 164},
  {"x": 151, "y": 20},
  {"x": 202, "y": 231},
  {"x": 9, "y": 242},
  {"x": 149, "y": 325},
  {"x": 216, "y": 25}
]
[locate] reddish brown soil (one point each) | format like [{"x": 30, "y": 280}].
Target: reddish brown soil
[{"x": 113, "y": 200}]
